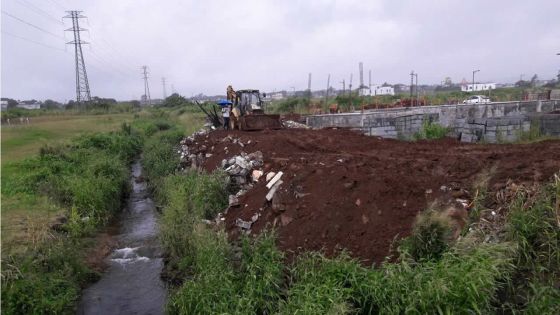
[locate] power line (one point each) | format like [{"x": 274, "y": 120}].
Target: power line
[
  {"x": 32, "y": 25},
  {"x": 39, "y": 11},
  {"x": 32, "y": 41}
]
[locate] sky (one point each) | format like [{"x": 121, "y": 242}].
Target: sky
[{"x": 203, "y": 46}]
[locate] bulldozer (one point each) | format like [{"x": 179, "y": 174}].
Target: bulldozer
[{"x": 248, "y": 112}]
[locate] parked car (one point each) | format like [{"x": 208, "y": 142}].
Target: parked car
[{"x": 477, "y": 99}]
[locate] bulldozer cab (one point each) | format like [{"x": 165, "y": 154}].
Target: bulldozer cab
[{"x": 249, "y": 102}]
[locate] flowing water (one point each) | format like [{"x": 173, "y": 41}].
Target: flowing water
[{"x": 131, "y": 284}]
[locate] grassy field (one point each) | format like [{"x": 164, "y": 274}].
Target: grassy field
[
  {"x": 25, "y": 216},
  {"x": 21, "y": 141}
]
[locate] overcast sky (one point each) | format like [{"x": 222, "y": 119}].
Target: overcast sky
[{"x": 202, "y": 46}]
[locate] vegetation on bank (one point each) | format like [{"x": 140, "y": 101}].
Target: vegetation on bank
[
  {"x": 78, "y": 186},
  {"x": 89, "y": 178},
  {"x": 432, "y": 275}
]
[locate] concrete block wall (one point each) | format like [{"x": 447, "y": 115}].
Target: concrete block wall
[{"x": 489, "y": 122}]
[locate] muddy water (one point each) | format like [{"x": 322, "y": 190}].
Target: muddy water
[{"x": 131, "y": 284}]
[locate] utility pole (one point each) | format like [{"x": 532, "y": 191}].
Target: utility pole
[
  {"x": 309, "y": 88},
  {"x": 369, "y": 81},
  {"x": 82, "y": 84},
  {"x": 474, "y": 71},
  {"x": 147, "y": 98},
  {"x": 350, "y": 92},
  {"x": 343, "y": 86},
  {"x": 411, "y": 83},
  {"x": 416, "y": 75},
  {"x": 327, "y": 91},
  {"x": 164, "y": 90}
]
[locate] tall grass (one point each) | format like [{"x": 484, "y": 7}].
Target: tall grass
[{"x": 89, "y": 178}]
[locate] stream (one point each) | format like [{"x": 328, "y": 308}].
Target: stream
[{"x": 131, "y": 284}]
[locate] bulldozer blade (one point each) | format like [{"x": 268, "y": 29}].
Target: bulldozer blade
[{"x": 260, "y": 122}]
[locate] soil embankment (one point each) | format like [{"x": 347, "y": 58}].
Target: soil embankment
[{"x": 342, "y": 189}]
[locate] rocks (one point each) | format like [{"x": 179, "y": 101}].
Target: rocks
[
  {"x": 256, "y": 174},
  {"x": 294, "y": 125},
  {"x": 245, "y": 225}
]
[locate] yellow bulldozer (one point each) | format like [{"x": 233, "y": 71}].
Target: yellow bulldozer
[{"x": 248, "y": 111}]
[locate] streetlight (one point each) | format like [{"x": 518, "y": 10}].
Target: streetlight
[{"x": 474, "y": 71}]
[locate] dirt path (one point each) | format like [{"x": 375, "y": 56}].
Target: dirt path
[{"x": 346, "y": 190}]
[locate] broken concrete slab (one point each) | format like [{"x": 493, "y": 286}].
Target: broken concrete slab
[
  {"x": 273, "y": 190},
  {"x": 274, "y": 179},
  {"x": 246, "y": 225}
]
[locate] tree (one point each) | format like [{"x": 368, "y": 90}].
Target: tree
[
  {"x": 523, "y": 84},
  {"x": 447, "y": 81},
  {"x": 50, "y": 104},
  {"x": 174, "y": 100},
  {"x": 11, "y": 102}
]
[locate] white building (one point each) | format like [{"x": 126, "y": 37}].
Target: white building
[
  {"x": 29, "y": 105},
  {"x": 4, "y": 105},
  {"x": 376, "y": 90},
  {"x": 478, "y": 87}
]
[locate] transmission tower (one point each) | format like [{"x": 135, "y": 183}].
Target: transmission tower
[
  {"x": 164, "y": 90},
  {"x": 146, "y": 97},
  {"x": 82, "y": 84}
]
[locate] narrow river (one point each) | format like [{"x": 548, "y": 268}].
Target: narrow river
[{"x": 131, "y": 284}]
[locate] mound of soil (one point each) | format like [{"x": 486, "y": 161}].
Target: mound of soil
[{"x": 345, "y": 190}]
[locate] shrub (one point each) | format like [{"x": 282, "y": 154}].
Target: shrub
[
  {"x": 430, "y": 238},
  {"x": 431, "y": 130}
]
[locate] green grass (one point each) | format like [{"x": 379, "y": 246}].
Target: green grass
[
  {"x": 21, "y": 141},
  {"x": 431, "y": 130}
]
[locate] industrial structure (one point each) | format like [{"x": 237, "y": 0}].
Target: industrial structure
[{"x": 82, "y": 85}]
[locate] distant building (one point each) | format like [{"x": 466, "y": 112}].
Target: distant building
[
  {"x": 276, "y": 95},
  {"x": 29, "y": 105},
  {"x": 4, "y": 105},
  {"x": 376, "y": 90},
  {"x": 478, "y": 87}
]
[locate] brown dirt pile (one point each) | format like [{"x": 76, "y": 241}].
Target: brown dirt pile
[{"x": 342, "y": 189}]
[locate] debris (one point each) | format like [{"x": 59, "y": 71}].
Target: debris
[
  {"x": 246, "y": 225},
  {"x": 273, "y": 190},
  {"x": 233, "y": 201},
  {"x": 270, "y": 175},
  {"x": 428, "y": 191},
  {"x": 274, "y": 179},
  {"x": 294, "y": 125},
  {"x": 256, "y": 175},
  {"x": 255, "y": 217},
  {"x": 358, "y": 202}
]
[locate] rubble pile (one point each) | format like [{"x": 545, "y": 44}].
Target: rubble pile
[{"x": 294, "y": 125}]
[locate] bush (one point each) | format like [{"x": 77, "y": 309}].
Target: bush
[
  {"x": 430, "y": 238},
  {"x": 431, "y": 130}
]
